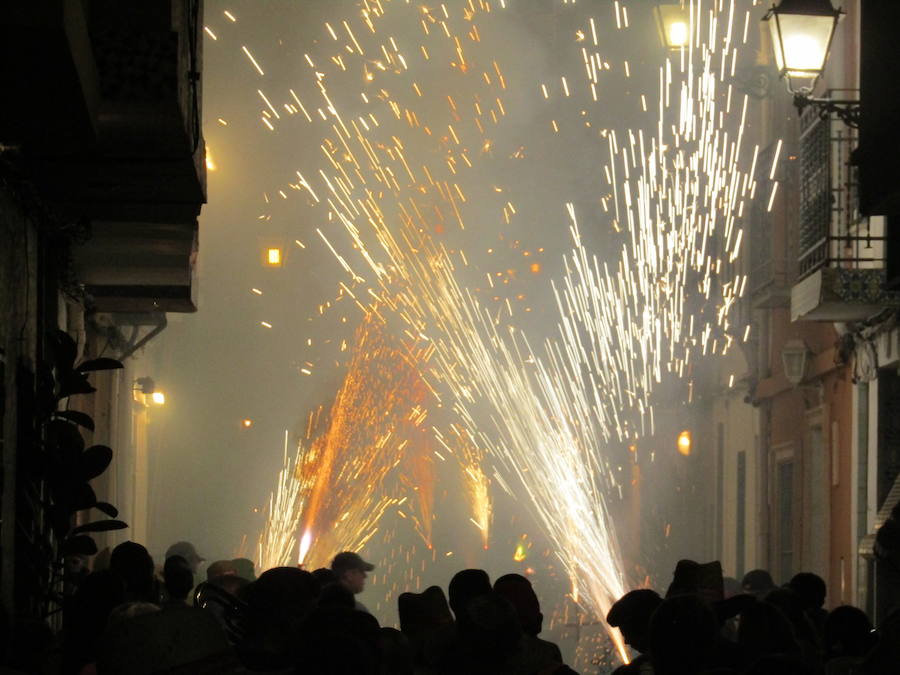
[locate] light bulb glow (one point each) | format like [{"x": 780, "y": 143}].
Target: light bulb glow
[
  {"x": 684, "y": 443},
  {"x": 678, "y": 34}
]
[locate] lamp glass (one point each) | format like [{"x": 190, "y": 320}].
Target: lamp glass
[
  {"x": 794, "y": 359},
  {"x": 677, "y": 34},
  {"x": 273, "y": 256},
  {"x": 801, "y": 43},
  {"x": 158, "y": 398},
  {"x": 673, "y": 23}
]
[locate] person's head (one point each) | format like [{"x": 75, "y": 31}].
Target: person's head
[
  {"x": 791, "y": 605},
  {"x": 492, "y": 628},
  {"x": 187, "y": 551},
  {"x": 351, "y": 571},
  {"x": 178, "y": 577},
  {"x": 422, "y": 613},
  {"x": 757, "y": 582},
  {"x": 848, "y": 632},
  {"x": 132, "y": 563},
  {"x": 631, "y": 615},
  {"x": 220, "y": 568},
  {"x": 465, "y": 586},
  {"x": 284, "y": 591},
  {"x": 683, "y": 630},
  {"x": 810, "y": 588},
  {"x": 325, "y": 576},
  {"x": 245, "y": 568},
  {"x": 230, "y": 583},
  {"x": 336, "y": 595},
  {"x": 701, "y": 579},
  {"x": 765, "y": 630},
  {"x": 517, "y": 590}
]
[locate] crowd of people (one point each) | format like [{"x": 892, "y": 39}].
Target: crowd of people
[{"x": 129, "y": 617}]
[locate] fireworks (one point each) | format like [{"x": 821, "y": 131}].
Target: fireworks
[
  {"x": 278, "y": 539},
  {"x": 375, "y": 418},
  {"x": 418, "y": 477},
  {"x": 396, "y": 176}
]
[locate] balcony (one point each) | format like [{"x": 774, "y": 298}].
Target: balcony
[
  {"x": 107, "y": 117},
  {"x": 841, "y": 255}
]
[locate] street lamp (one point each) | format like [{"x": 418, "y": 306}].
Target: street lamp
[
  {"x": 794, "y": 359},
  {"x": 802, "y": 31},
  {"x": 684, "y": 443},
  {"x": 273, "y": 256},
  {"x": 146, "y": 387},
  {"x": 673, "y": 23}
]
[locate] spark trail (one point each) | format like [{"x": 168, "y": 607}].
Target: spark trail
[{"x": 396, "y": 176}]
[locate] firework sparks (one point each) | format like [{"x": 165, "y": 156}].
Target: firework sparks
[
  {"x": 419, "y": 479},
  {"x": 278, "y": 539},
  {"x": 375, "y": 416},
  {"x": 675, "y": 189}
]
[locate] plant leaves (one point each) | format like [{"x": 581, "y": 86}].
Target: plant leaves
[
  {"x": 79, "y": 545},
  {"x": 73, "y": 383},
  {"x": 76, "y": 417},
  {"x": 75, "y": 496},
  {"x": 64, "y": 351},
  {"x": 63, "y": 437},
  {"x": 98, "y": 364},
  {"x": 100, "y": 526},
  {"x": 94, "y": 461},
  {"x": 107, "y": 508}
]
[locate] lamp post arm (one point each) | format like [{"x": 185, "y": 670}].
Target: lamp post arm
[{"x": 847, "y": 110}]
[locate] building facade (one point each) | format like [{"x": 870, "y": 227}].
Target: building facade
[{"x": 102, "y": 176}]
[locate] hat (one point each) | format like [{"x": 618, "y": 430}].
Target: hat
[
  {"x": 348, "y": 560},
  {"x": 757, "y": 581},
  {"x": 633, "y": 610},
  {"x": 423, "y": 612},
  {"x": 186, "y": 550},
  {"x": 703, "y": 579}
]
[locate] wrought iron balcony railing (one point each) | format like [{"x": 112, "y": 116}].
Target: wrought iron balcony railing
[{"x": 831, "y": 231}]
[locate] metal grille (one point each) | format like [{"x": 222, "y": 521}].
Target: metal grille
[
  {"x": 815, "y": 195},
  {"x": 831, "y": 231}
]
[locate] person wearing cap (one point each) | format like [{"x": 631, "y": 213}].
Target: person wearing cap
[
  {"x": 187, "y": 551},
  {"x": 351, "y": 572},
  {"x": 631, "y": 615}
]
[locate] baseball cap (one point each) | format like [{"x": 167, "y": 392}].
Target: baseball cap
[
  {"x": 348, "y": 560},
  {"x": 187, "y": 551}
]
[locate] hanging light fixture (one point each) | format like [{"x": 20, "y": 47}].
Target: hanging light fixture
[
  {"x": 674, "y": 24},
  {"x": 801, "y": 32}
]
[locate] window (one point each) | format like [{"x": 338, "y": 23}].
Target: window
[{"x": 785, "y": 504}]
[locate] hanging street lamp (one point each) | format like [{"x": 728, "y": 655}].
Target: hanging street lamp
[{"x": 802, "y": 31}]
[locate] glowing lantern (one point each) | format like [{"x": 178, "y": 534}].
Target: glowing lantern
[
  {"x": 684, "y": 443},
  {"x": 801, "y": 33},
  {"x": 673, "y": 23}
]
